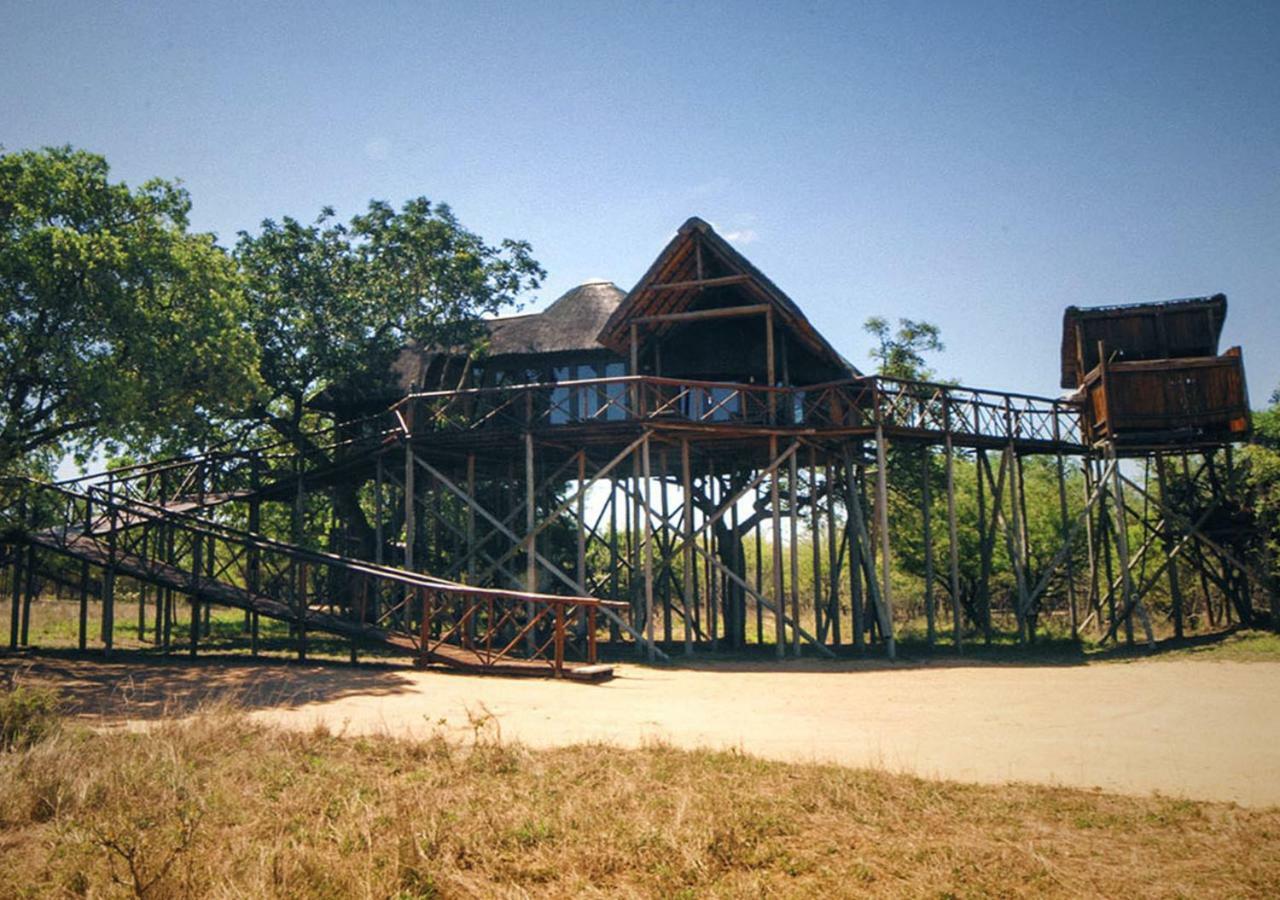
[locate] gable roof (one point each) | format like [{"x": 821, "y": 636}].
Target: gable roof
[{"x": 693, "y": 255}]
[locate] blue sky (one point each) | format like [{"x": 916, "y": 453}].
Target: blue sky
[{"x": 978, "y": 165}]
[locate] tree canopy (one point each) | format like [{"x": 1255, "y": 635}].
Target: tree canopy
[
  {"x": 117, "y": 324},
  {"x": 331, "y": 303}
]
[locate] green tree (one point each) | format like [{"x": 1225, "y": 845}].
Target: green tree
[
  {"x": 332, "y": 302},
  {"x": 1262, "y": 461},
  {"x": 900, "y": 354},
  {"x": 117, "y": 324}
]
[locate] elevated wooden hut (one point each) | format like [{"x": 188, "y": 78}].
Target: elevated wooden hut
[{"x": 1150, "y": 373}]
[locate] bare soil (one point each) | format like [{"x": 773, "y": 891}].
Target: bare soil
[{"x": 1205, "y": 730}]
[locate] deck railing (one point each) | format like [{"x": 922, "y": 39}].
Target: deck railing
[{"x": 912, "y": 408}]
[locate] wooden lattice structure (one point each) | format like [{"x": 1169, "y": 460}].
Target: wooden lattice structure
[{"x": 601, "y": 474}]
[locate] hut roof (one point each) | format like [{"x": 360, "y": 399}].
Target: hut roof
[
  {"x": 1167, "y": 329},
  {"x": 571, "y": 323},
  {"x": 697, "y": 253}
]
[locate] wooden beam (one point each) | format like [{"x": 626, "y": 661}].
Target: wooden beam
[
  {"x": 702, "y": 315},
  {"x": 721, "y": 281}
]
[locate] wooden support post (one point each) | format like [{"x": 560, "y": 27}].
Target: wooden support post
[
  {"x": 815, "y": 546},
  {"x": 108, "y": 581},
  {"x": 759, "y": 580},
  {"x": 615, "y": 560},
  {"x": 1014, "y": 541},
  {"x": 833, "y": 558},
  {"x": 794, "y": 511},
  {"x": 926, "y": 504},
  {"x": 953, "y": 548},
  {"x": 581, "y": 569},
  {"x": 253, "y": 556},
  {"x": 530, "y": 522},
  {"x": 882, "y": 504},
  {"x": 646, "y": 533},
  {"x": 1175, "y": 587},
  {"x": 665, "y": 544},
  {"x": 410, "y": 511},
  {"x": 857, "y": 557},
  {"x": 1122, "y": 546},
  {"x": 1063, "y": 515},
  {"x": 779, "y": 600},
  {"x": 1094, "y": 597},
  {"x": 984, "y": 562},
  {"x": 686, "y": 486}
]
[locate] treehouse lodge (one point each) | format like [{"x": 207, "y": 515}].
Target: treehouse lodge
[{"x": 687, "y": 466}]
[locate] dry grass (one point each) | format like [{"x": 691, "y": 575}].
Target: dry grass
[{"x": 217, "y": 806}]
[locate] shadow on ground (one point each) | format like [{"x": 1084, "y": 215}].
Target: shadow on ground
[{"x": 138, "y": 686}]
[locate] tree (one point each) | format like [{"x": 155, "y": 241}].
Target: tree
[
  {"x": 333, "y": 303},
  {"x": 117, "y": 325},
  {"x": 901, "y": 354},
  {"x": 1262, "y": 475}
]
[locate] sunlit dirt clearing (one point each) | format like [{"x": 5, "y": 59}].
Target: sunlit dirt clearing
[{"x": 1200, "y": 729}]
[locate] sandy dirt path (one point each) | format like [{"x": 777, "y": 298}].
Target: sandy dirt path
[
  {"x": 1200, "y": 729},
  {"x": 1205, "y": 730}
]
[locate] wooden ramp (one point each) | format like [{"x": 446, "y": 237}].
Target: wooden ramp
[{"x": 88, "y": 548}]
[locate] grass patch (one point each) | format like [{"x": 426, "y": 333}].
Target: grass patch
[
  {"x": 28, "y": 715},
  {"x": 220, "y": 806}
]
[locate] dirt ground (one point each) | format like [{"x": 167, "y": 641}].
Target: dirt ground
[{"x": 1199, "y": 729}]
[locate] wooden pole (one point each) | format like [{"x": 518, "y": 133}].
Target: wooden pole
[
  {"x": 926, "y": 509},
  {"x": 1122, "y": 546},
  {"x": 794, "y": 479},
  {"x": 882, "y": 502},
  {"x": 686, "y": 484},
  {"x": 530, "y": 522},
  {"x": 815, "y": 546},
  {"x": 953, "y": 548},
  {"x": 666, "y": 519},
  {"x": 833, "y": 558},
  {"x": 779, "y": 599},
  {"x": 410, "y": 512},
  {"x": 647, "y": 538},
  {"x": 1072, "y": 607},
  {"x": 1175, "y": 588},
  {"x": 856, "y": 557}
]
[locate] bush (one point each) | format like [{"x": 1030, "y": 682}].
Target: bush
[{"x": 28, "y": 715}]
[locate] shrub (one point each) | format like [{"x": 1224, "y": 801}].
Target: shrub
[{"x": 28, "y": 715}]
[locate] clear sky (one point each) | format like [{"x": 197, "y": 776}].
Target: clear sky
[{"x": 978, "y": 165}]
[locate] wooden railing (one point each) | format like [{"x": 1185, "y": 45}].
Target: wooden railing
[
  {"x": 914, "y": 408},
  {"x": 437, "y": 620}
]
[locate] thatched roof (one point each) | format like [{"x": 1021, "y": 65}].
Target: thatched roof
[
  {"x": 698, "y": 252},
  {"x": 571, "y": 323},
  {"x": 1169, "y": 329}
]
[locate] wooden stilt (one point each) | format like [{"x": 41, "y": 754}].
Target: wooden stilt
[
  {"x": 882, "y": 505},
  {"x": 780, "y": 633},
  {"x": 1063, "y": 517},
  {"x": 794, "y": 511},
  {"x": 927, "y": 514},
  {"x": 646, "y": 536},
  {"x": 953, "y": 549},
  {"x": 1175, "y": 587},
  {"x": 687, "y": 600}
]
